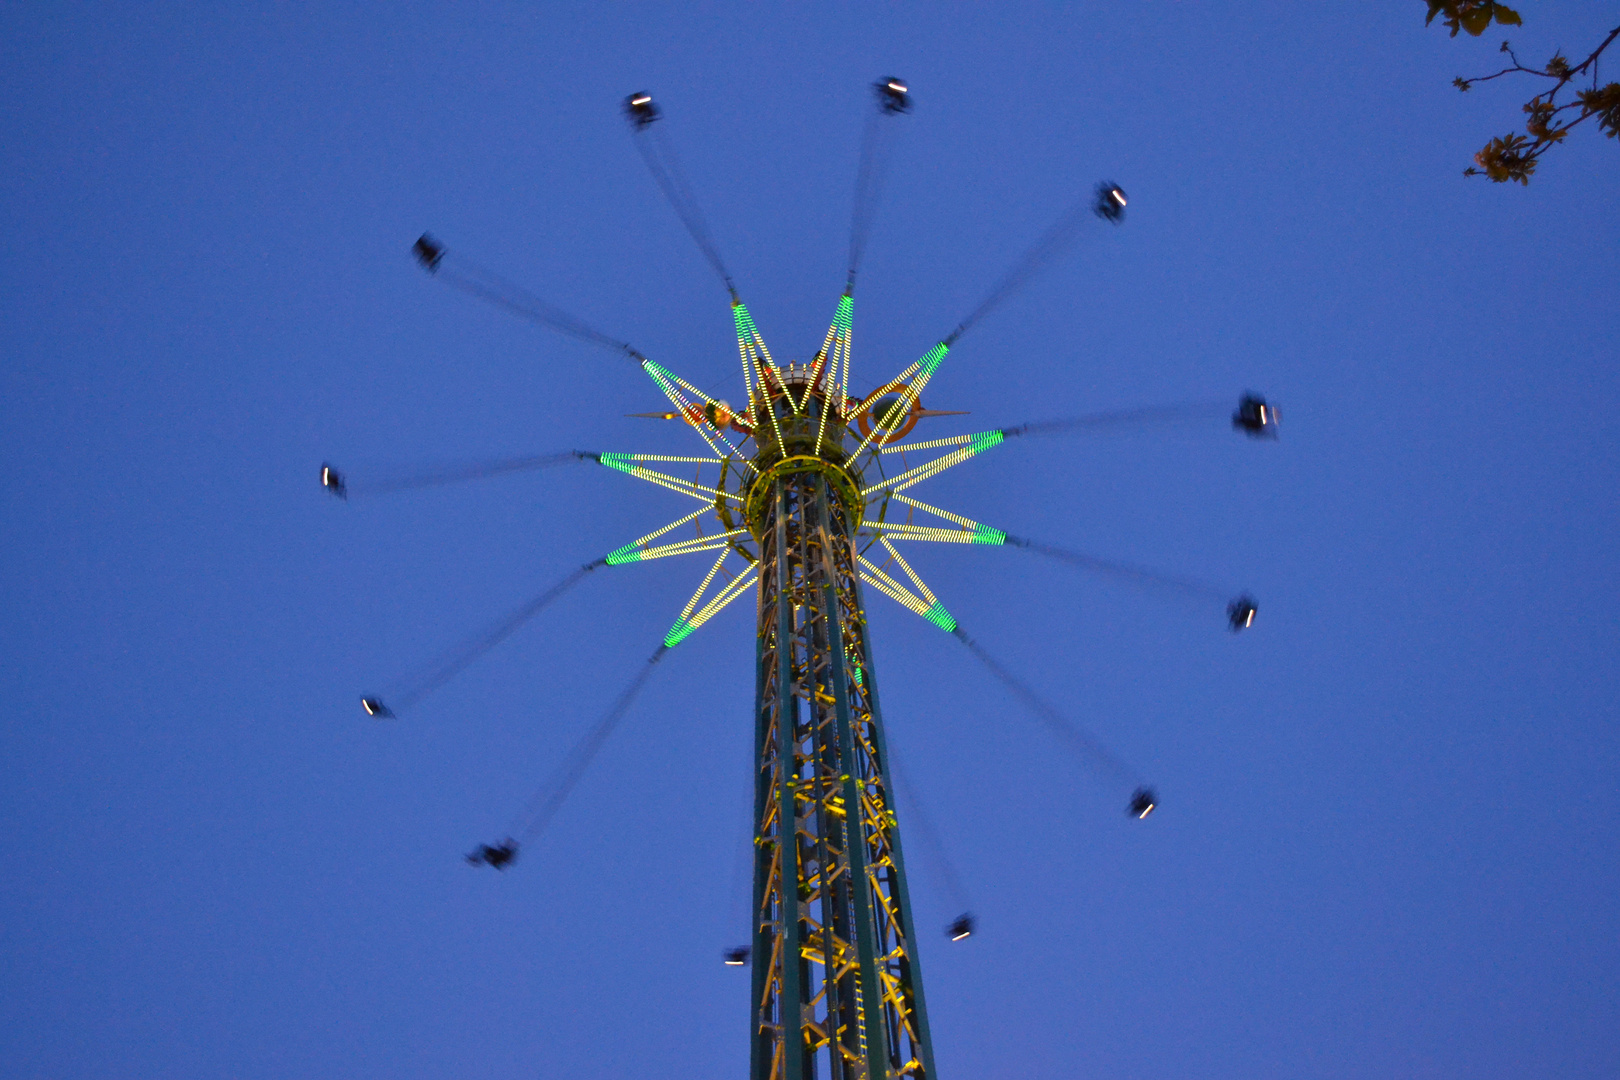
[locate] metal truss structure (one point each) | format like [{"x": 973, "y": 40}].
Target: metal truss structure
[{"x": 835, "y": 961}]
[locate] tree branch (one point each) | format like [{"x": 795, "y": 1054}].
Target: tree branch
[{"x": 1513, "y": 156}]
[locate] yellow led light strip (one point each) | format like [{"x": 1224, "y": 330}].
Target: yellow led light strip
[
  {"x": 878, "y": 572},
  {"x": 764, "y": 390},
  {"x": 840, "y": 347},
  {"x": 871, "y": 575},
  {"x": 632, "y": 552},
  {"x": 901, "y": 407},
  {"x": 916, "y": 366},
  {"x": 922, "y": 472},
  {"x": 684, "y": 626},
  {"x": 666, "y": 457},
  {"x": 826, "y": 400},
  {"x": 705, "y": 398},
  {"x": 748, "y": 378},
  {"x": 910, "y": 573},
  {"x": 685, "y": 407},
  {"x": 937, "y": 512},
  {"x": 917, "y": 532},
  {"x": 727, "y": 595},
  {"x": 843, "y": 385},
  {"x": 929, "y": 475},
  {"x": 821, "y": 362},
  {"x": 713, "y": 570},
  {"x": 759, "y": 345},
  {"x": 692, "y": 547},
  {"x": 685, "y": 487},
  {"x": 674, "y": 483},
  {"x": 672, "y": 525},
  {"x": 688, "y": 387},
  {"x": 932, "y": 444}
]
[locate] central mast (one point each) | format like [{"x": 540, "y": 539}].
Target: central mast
[{"x": 836, "y": 986}]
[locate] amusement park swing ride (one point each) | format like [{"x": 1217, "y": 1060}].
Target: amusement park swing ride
[{"x": 804, "y": 496}]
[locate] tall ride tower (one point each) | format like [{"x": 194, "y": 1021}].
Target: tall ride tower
[
  {"x": 835, "y": 966},
  {"x": 804, "y": 491}
]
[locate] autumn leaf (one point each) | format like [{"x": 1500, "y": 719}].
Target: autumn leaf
[
  {"x": 1502, "y": 160},
  {"x": 1605, "y": 105},
  {"x": 1476, "y": 20},
  {"x": 1472, "y": 15}
]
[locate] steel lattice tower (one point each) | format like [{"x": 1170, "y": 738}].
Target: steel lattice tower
[{"x": 835, "y": 964}]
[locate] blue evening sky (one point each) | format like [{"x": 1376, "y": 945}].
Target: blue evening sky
[{"x": 1387, "y": 845}]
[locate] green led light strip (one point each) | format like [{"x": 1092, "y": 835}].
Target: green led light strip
[
  {"x": 933, "y": 611},
  {"x": 666, "y": 457},
  {"x": 663, "y": 376},
  {"x": 626, "y": 554},
  {"x": 979, "y": 534},
  {"x": 926, "y": 366},
  {"x": 976, "y": 445},
  {"x": 683, "y": 626},
  {"x": 940, "y": 617},
  {"x": 662, "y": 479},
  {"x": 752, "y": 345}
]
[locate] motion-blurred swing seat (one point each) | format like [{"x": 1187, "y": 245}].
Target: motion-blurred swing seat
[
  {"x": 497, "y": 855},
  {"x": 428, "y": 252},
  {"x": 640, "y": 110},
  {"x": 1110, "y": 204},
  {"x": 1240, "y": 613},
  {"x": 892, "y": 95},
  {"x": 1255, "y": 418}
]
